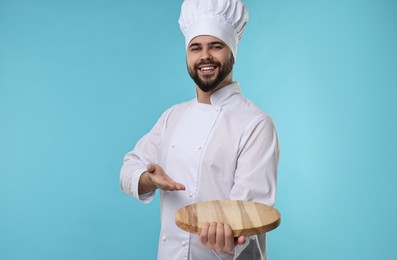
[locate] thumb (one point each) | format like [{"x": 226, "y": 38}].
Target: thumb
[
  {"x": 241, "y": 240},
  {"x": 151, "y": 168}
]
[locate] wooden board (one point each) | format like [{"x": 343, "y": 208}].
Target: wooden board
[{"x": 246, "y": 218}]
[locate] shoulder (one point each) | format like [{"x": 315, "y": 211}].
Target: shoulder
[{"x": 249, "y": 113}]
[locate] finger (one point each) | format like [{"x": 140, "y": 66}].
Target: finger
[
  {"x": 151, "y": 168},
  {"x": 204, "y": 233},
  {"x": 240, "y": 240},
  {"x": 229, "y": 239},
  {"x": 166, "y": 186},
  {"x": 167, "y": 183},
  {"x": 220, "y": 237},
  {"x": 170, "y": 185},
  {"x": 179, "y": 186},
  {"x": 212, "y": 234}
]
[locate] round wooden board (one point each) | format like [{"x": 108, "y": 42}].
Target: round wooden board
[{"x": 246, "y": 218}]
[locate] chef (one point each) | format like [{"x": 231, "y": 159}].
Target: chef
[{"x": 217, "y": 146}]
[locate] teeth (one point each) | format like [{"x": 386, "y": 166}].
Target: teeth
[{"x": 207, "y": 68}]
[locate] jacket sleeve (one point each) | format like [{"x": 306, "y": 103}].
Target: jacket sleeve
[
  {"x": 136, "y": 161},
  {"x": 256, "y": 170},
  {"x": 256, "y": 174}
]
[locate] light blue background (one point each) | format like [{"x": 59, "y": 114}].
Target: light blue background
[{"x": 82, "y": 81}]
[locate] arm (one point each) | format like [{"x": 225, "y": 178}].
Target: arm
[
  {"x": 255, "y": 180},
  {"x": 136, "y": 161},
  {"x": 256, "y": 172},
  {"x": 139, "y": 175},
  {"x": 256, "y": 169}
]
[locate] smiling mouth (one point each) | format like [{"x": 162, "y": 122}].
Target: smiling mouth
[{"x": 207, "y": 69}]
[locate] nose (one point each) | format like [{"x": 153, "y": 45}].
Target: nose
[{"x": 206, "y": 54}]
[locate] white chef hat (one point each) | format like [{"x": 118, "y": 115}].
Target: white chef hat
[{"x": 224, "y": 19}]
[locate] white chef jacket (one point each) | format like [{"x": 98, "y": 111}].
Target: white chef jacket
[{"x": 225, "y": 150}]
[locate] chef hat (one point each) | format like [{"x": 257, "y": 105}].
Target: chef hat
[{"x": 224, "y": 19}]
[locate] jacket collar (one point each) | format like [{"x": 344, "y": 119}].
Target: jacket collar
[{"x": 226, "y": 94}]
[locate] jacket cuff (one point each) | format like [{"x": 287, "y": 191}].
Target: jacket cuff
[{"x": 146, "y": 197}]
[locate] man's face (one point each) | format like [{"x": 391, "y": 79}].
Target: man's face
[{"x": 209, "y": 62}]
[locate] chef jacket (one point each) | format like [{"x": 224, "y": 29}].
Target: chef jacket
[{"x": 224, "y": 150}]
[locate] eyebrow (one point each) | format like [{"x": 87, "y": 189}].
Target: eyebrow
[{"x": 196, "y": 44}]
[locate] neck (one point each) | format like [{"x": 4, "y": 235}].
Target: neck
[{"x": 205, "y": 97}]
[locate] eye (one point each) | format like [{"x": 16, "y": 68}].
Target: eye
[
  {"x": 217, "y": 47},
  {"x": 195, "y": 48}
]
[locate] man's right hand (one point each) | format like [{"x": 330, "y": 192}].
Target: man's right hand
[{"x": 154, "y": 178}]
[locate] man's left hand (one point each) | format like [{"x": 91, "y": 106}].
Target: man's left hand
[{"x": 219, "y": 237}]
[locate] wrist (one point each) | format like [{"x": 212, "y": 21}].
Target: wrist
[{"x": 146, "y": 184}]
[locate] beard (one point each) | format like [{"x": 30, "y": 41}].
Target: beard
[{"x": 207, "y": 84}]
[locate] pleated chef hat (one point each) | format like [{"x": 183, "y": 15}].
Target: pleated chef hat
[{"x": 224, "y": 19}]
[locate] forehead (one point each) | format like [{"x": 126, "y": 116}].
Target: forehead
[{"x": 205, "y": 39}]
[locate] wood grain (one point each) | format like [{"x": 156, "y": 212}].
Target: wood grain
[{"x": 246, "y": 218}]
